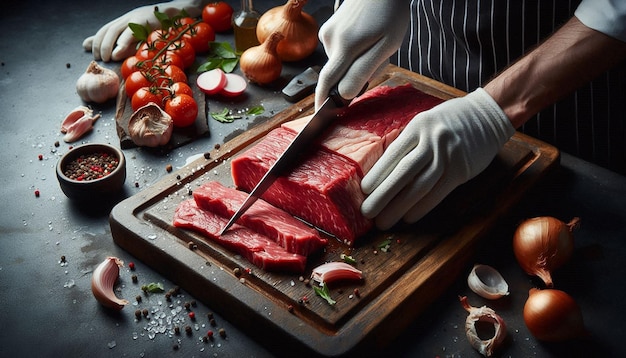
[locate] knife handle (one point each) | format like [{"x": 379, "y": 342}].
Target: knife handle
[{"x": 339, "y": 100}]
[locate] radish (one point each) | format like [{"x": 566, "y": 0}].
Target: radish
[
  {"x": 235, "y": 85},
  {"x": 212, "y": 82}
]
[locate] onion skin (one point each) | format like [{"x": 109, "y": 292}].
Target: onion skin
[
  {"x": 261, "y": 64},
  {"x": 299, "y": 28},
  {"x": 543, "y": 244},
  {"x": 553, "y": 316},
  {"x": 486, "y": 347},
  {"x": 103, "y": 280}
]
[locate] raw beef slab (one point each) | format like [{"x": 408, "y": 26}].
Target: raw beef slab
[
  {"x": 324, "y": 189},
  {"x": 256, "y": 248},
  {"x": 289, "y": 232}
]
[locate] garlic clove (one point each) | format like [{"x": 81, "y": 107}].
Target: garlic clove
[
  {"x": 150, "y": 126},
  {"x": 335, "y": 271},
  {"x": 487, "y": 282},
  {"x": 103, "y": 281},
  {"x": 76, "y": 114},
  {"x": 81, "y": 126},
  {"x": 483, "y": 314}
]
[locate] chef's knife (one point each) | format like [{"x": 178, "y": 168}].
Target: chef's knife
[{"x": 316, "y": 125}]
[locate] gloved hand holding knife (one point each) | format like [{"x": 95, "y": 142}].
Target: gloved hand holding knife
[{"x": 439, "y": 149}]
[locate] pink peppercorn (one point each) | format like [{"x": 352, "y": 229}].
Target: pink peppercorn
[
  {"x": 37, "y": 193},
  {"x": 192, "y": 315},
  {"x": 131, "y": 265}
]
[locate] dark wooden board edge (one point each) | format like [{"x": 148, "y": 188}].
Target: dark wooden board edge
[{"x": 377, "y": 322}]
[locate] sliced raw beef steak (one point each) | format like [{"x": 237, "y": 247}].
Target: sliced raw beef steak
[
  {"x": 289, "y": 232},
  {"x": 257, "y": 248},
  {"x": 325, "y": 188}
]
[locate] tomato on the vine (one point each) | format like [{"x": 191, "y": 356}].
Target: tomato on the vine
[
  {"x": 181, "y": 24},
  {"x": 177, "y": 88},
  {"x": 165, "y": 76},
  {"x": 199, "y": 37},
  {"x": 147, "y": 51},
  {"x": 169, "y": 58},
  {"x": 145, "y": 95},
  {"x": 159, "y": 38},
  {"x": 135, "y": 81},
  {"x": 183, "y": 49},
  {"x": 132, "y": 64},
  {"x": 218, "y": 15},
  {"x": 183, "y": 109}
]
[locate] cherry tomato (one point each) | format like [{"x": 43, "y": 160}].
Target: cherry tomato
[
  {"x": 135, "y": 81},
  {"x": 199, "y": 37},
  {"x": 183, "y": 49},
  {"x": 168, "y": 75},
  {"x": 168, "y": 58},
  {"x": 181, "y": 88},
  {"x": 145, "y": 95},
  {"x": 183, "y": 109},
  {"x": 218, "y": 15},
  {"x": 147, "y": 51},
  {"x": 181, "y": 24},
  {"x": 159, "y": 38},
  {"x": 132, "y": 64}
]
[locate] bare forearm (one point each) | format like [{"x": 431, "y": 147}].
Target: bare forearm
[{"x": 571, "y": 57}]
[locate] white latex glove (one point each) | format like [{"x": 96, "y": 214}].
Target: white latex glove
[
  {"x": 115, "y": 41},
  {"x": 359, "y": 39},
  {"x": 439, "y": 150}
]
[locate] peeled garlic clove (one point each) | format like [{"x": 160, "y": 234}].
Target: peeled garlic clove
[
  {"x": 486, "y": 347},
  {"x": 72, "y": 117},
  {"x": 150, "y": 126},
  {"x": 334, "y": 271},
  {"x": 103, "y": 281},
  {"x": 487, "y": 282}
]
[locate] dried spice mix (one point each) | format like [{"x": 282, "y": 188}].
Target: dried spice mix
[{"x": 91, "y": 166}]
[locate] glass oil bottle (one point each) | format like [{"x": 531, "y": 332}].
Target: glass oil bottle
[{"x": 244, "y": 26}]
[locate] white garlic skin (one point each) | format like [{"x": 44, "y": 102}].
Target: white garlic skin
[
  {"x": 97, "y": 84},
  {"x": 150, "y": 126},
  {"x": 487, "y": 282}
]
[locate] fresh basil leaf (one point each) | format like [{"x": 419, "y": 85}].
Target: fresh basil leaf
[
  {"x": 153, "y": 287},
  {"x": 324, "y": 293},
  {"x": 255, "y": 111},
  {"x": 140, "y": 32},
  {"x": 228, "y": 65}
]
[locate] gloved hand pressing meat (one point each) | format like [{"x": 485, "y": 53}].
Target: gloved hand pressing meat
[
  {"x": 115, "y": 41},
  {"x": 438, "y": 150},
  {"x": 359, "y": 39}
]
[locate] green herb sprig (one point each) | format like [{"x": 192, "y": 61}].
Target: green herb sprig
[
  {"x": 227, "y": 115},
  {"x": 324, "y": 293},
  {"x": 221, "y": 55}
]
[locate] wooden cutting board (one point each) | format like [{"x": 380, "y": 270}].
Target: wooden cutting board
[{"x": 281, "y": 310}]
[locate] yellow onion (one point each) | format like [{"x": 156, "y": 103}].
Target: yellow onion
[
  {"x": 543, "y": 244},
  {"x": 298, "y": 27},
  {"x": 260, "y": 64},
  {"x": 553, "y": 316}
]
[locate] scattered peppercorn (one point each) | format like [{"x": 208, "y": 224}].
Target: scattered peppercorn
[
  {"x": 222, "y": 332},
  {"x": 207, "y": 155},
  {"x": 176, "y": 330},
  {"x": 192, "y": 316},
  {"x": 145, "y": 312},
  {"x": 134, "y": 278},
  {"x": 56, "y": 144},
  {"x": 209, "y": 334},
  {"x": 217, "y": 146},
  {"x": 357, "y": 293},
  {"x": 136, "y": 184},
  {"x": 138, "y": 298},
  {"x": 168, "y": 296},
  {"x": 212, "y": 322},
  {"x": 188, "y": 330},
  {"x": 37, "y": 193},
  {"x": 68, "y": 65},
  {"x": 169, "y": 168},
  {"x": 187, "y": 305},
  {"x": 178, "y": 177},
  {"x": 209, "y": 315},
  {"x": 40, "y": 156},
  {"x": 138, "y": 314},
  {"x": 63, "y": 259}
]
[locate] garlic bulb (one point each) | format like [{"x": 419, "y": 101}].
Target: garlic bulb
[
  {"x": 487, "y": 282},
  {"x": 150, "y": 126},
  {"x": 486, "y": 347},
  {"x": 103, "y": 280},
  {"x": 97, "y": 84}
]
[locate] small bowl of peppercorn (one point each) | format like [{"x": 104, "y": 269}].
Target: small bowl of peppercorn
[{"x": 92, "y": 171}]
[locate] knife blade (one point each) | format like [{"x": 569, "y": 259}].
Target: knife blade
[{"x": 320, "y": 120}]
